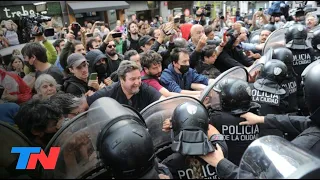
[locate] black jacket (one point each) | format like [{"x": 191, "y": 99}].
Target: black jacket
[
  {"x": 237, "y": 137},
  {"x": 308, "y": 140},
  {"x": 75, "y": 86}
]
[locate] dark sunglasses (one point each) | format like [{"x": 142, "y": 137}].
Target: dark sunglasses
[{"x": 110, "y": 46}]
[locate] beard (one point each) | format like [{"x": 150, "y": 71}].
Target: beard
[
  {"x": 112, "y": 53},
  {"x": 135, "y": 91}
]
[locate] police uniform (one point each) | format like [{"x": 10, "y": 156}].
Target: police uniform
[
  {"x": 237, "y": 137},
  {"x": 180, "y": 169},
  {"x": 289, "y": 83}
]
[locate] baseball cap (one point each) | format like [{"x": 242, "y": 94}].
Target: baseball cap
[
  {"x": 145, "y": 39},
  {"x": 75, "y": 59}
]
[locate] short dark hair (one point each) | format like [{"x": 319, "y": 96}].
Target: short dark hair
[
  {"x": 35, "y": 49},
  {"x": 89, "y": 43},
  {"x": 132, "y": 22},
  {"x": 74, "y": 44},
  {"x": 130, "y": 53},
  {"x": 149, "y": 58},
  {"x": 36, "y": 115},
  {"x": 67, "y": 102},
  {"x": 57, "y": 42},
  {"x": 208, "y": 50},
  {"x": 176, "y": 52},
  {"x": 207, "y": 29}
]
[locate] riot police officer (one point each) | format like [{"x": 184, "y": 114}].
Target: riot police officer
[
  {"x": 315, "y": 42},
  {"x": 129, "y": 157},
  {"x": 296, "y": 36},
  {"x": 289, "y": 83},
  {"x": 309, "y": 137},
  {"x": 267, "y": 91},
  {"x": 235, "y": 99},
  {"x": 192, "y": 136}
]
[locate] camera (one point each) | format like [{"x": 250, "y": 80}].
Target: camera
[
  {"x": 206, "y": 10},
  {"x": 279, "y": 8},
  {"x": 32, "y": 25}
]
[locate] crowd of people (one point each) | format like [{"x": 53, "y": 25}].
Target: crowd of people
[{"x": 137, "y": 63}]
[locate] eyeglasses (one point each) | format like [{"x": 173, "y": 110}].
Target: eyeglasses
[{"x": 110, "y": 46}]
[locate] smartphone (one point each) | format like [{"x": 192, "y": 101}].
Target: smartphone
[
  {"x": 117, "y": 35},
  {"x": 100, "y": 23},
  {"x": 93, "y": 76},
  {"x": 89, "y": 35},
  {"x": 49, "y": 32}
]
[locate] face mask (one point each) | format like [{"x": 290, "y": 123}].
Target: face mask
[
  {"x": 101, "y": 69},
  {"x": 184, "y": 68}
]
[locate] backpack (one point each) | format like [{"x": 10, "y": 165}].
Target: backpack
[{"x": 67, "y": 83}]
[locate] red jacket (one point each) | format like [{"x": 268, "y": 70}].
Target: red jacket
[{"x": 15, "y": 85}]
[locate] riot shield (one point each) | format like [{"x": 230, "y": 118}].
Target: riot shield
[
  {"x": 209, "y": 97},
  {"x": 305, "y": 71},
  {"x": 256, "y": 66},
  {"x": 273, "y": 157},
  {"x": 10, "y": 137},
  {"x": 78, "y": 157},
  {"x": 155, "y": 114},
  {"x": 276, "y": 39}
]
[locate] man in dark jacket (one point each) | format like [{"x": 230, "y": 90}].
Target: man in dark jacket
[
  {"x": 180, "y": 78},
  {"x": 98, "y": 63},
  {"x": 77, "y": 84}
]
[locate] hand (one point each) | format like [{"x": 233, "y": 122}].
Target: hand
[
  {"x": 8, "y": 97},
  {"x": 237, "y": 26},
  {"x": 89, "y": 93},
  {"x": 251, "y": 119},
  {"x": 215, "y": 157},
  {"x": 162, "y": 176},
  {"x": 108, "y": 81},
  {"x": 94, "y": 84},
  {"x": 83, "y": 30},
  {"x": 166, "y": 125},
  {"x": 253, "y": 77},
  {"x": 102, "y": 85},
  {"x": 70, "y": 37},
  {"x": 109, "y": 37},
  {"x": 212, "y": 130},
  {"x": 202, "y": 42}
]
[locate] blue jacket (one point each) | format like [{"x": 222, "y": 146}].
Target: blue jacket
[{"x": 174, "y": 81}]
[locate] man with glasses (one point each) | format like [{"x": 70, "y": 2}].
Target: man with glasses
[
  {"x": 77, "y": 84},
  {"x": 113, "y": 58}
]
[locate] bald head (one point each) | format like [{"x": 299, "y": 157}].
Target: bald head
[{"x": 196, "y": 32}]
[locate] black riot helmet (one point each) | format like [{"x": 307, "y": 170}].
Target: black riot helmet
[
  {"x": 296, "y": 33},
  {"x": 190, "y": 123},
  {"x": 274, "y": 70},
  {"x": 311, "y": 82},
  {"x": 235, "y": 96},
  {"x": 272, "y": 73},
  {"x": 126, "y": 149},
  {"x": 315, "y": 41},
  {"x": 285, "y": 55},
  {"x": 270, "y": 27}
]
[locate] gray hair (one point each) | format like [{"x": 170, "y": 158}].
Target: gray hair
[
  {"x": 125, "y": 67},
  {"x": 180, "y": 43},
  {"x": 68, "y": 102},
  {"x": 314, "y": 16},
  {"x": 45, "y": 78}
]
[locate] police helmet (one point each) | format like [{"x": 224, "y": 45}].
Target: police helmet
[
  {"x": 298, "y": 33},
  {"x": 235, "y": 96},
  {"x": 311, "y": 87},
  {"x": 285, "y": 55},
  {"x": 274, "y": 70},
  {"x": 272, "y": 73},
  {"x": 315, "y": 41},
  {"x": 270, "y": 27},
  {"x": 190, "y": 123},
  {"x": 126, "y": 149}
]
